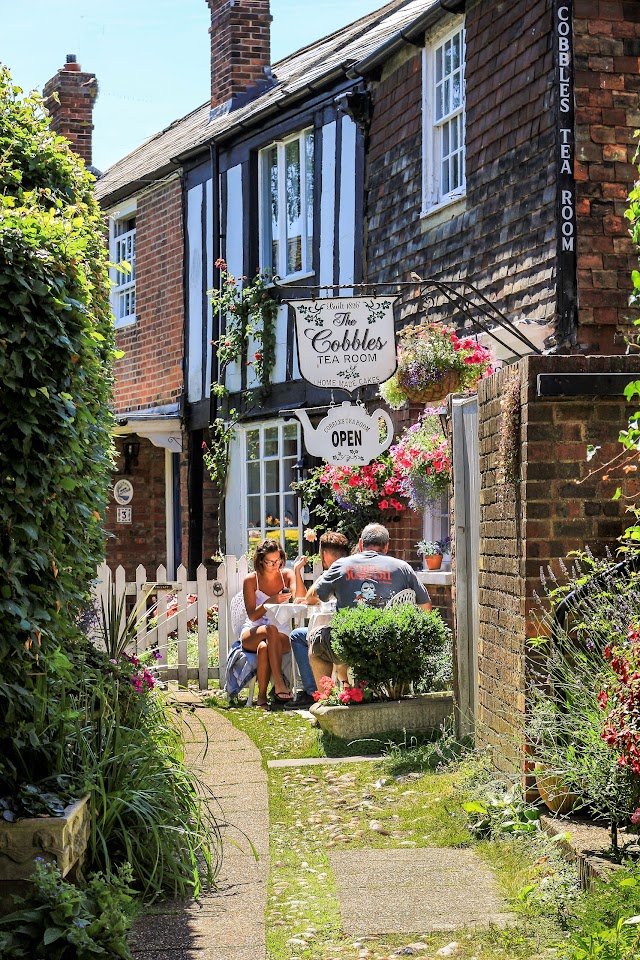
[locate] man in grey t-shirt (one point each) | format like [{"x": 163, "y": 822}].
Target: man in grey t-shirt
[{"x": 369, "y": 578}]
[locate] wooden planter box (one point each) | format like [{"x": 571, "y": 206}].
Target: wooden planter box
[
  {"x": 422, "y": 714},
  {"x": 61, "y": 840}
]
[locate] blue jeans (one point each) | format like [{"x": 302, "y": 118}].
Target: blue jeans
[{"x": 300, "y": 650}]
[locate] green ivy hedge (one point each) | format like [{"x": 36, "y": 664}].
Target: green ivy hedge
[{"x": 56, "y": 348}]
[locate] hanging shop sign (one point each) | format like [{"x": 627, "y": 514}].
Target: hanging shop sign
[
  {"x": 345, "y": 343},
  {"x": 347, "y": 435}
]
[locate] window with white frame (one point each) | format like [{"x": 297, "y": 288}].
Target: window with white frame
[
  {"x": 123, "y": 271},
  {"x": 271, "y": 451},
  {"x": 443, "y": 153},
  {"x": 286, "y": 205}
]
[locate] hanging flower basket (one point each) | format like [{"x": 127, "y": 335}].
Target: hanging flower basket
[
  {"x": 434, "y": 392},
  {"x": 422, "y": 461},
  {"x": 434, "y": 361}
]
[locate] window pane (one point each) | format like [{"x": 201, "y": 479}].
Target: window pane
[
  {"x": 290, "y": 436},
  {"x": 253, "y": 477},
  {"x": 271, "y": 204},
  {"x": 455, "y": 173},
  {"x": 438, "y": 64},
  {"x": 253, "y": 445},
  {"x": 455, "y": 57},
  {"x": 288, "y": 475},
  {"x": 293, "y": 202},
  {"x": 253, "y": 512},
  {"x": 292, "y": 543},
  {"x": 290, "y": 518},
  {"x": 445, "y": 177},
  {"x": 309, "y": 198},
  {"x": 272, "y": 511},
  {"x": 271, "y": 442},
  {"x": 272, "y": 476},
  {"x": 456, "y": 94},
  {"x": 254, "y": 539}
]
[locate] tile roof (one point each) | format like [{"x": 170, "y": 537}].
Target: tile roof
[{"x": 311, "y": 65}]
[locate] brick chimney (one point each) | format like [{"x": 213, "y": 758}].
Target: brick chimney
[
  {"x": 71, "y": 112},
  {"x": 240, "y": 51}
]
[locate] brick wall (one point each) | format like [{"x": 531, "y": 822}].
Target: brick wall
[
  {"x": 527, "y": 526},
  {"x": 144, "y": 539},
  {"x": 607, "y": 82},
  {"x": 503, "y": 236},
  {"x": 150, "y": 372}
]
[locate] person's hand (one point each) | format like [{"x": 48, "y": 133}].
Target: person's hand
[{"x": 299, "y": 564}]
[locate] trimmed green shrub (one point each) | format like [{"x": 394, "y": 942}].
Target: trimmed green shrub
[
  {"x": 391, "y": 648},
  {"x": 56, "y": 347}
]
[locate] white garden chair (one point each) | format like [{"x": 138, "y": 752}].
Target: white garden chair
[{"x": 244, "y": 663}]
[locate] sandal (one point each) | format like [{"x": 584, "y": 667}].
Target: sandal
[{"x": 280, "y": 699}]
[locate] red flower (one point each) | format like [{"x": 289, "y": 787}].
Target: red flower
[
  {"x": 384, "y": 504},
  {"x": 258, "y": 356},
  {"x": 356, "y": 694}
]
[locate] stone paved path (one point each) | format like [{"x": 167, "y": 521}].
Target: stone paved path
[
  {"x": 392, "y": 891},
  {"x": 229, "y": 923}
]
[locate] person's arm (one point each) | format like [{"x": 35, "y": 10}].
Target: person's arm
[
  {"x": 311, "y": 598},
  {"x": 423, "y": 600},
  {"x": 300, "y": 589}
]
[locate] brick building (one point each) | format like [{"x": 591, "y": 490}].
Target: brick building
[{"x": 486, "y": 143}]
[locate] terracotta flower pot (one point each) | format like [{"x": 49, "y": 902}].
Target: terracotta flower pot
[
  {"x": 434, "y": 562},
  {"x": 554, "y": 792}
]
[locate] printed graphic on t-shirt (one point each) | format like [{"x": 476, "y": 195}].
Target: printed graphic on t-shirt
[{"x": 367, "y": 595}]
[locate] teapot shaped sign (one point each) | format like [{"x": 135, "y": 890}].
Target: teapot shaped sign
[{"x": 347, "y": 435}]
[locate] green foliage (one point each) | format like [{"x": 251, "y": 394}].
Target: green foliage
[
  {"x": 216, "y": 452},
  {"x": 568, "y": 718},
  {"x": 56, "y": 344},
  {"x": 63, "y": 922},
  {"x": 250, "y": 313},
  {"x": 391, "y": 648},
  {"x": 500, "y": 812},
  {"x": 147, "y": 809}
]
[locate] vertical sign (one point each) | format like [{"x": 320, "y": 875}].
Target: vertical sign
[{"x": 565, "y": 156}]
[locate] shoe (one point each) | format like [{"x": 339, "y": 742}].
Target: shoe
[
  {"x": 302, "y": 701},
  {"x": 278, "y": 701}
]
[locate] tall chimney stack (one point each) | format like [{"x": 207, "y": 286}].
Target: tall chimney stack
[
  {"x": 240, "y": 51},
  {"x": 71, "y": 112}
]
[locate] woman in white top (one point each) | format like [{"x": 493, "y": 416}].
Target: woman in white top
[{"x": 272, "y": 582}]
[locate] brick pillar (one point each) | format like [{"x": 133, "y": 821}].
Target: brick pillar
[
  {"x": 69, "y": 98},
  {"x": 240, "y": 47}
]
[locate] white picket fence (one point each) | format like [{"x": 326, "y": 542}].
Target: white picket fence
[{"x": 169, "y": 636}]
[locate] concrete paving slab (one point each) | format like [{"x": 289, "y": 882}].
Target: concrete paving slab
[{"x": 415, "y": 890}]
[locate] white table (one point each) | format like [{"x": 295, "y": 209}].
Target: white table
[{"x": 281, "y": 614}]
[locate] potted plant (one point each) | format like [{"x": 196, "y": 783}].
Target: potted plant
[
  {"x": 432, "y": 552},
  {"x": 388, "y": 651},
  {"x": 434, "y": 361},
  {"x": 421, "y": 460}
]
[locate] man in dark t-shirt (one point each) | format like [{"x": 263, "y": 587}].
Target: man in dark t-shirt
[{"x": 369, "y": 578}]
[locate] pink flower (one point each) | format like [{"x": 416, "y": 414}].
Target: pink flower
[
  {"x": 635, "y": 816},
  {"x": 310, "y": 535}
]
